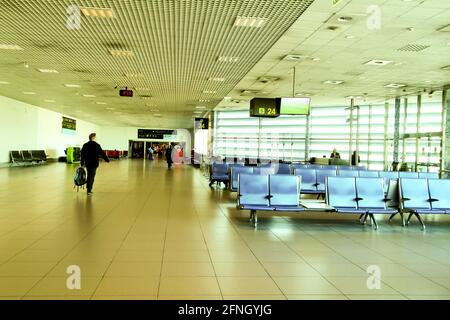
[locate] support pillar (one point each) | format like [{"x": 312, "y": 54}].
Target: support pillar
[
  {"x": 396, "y": 134},
  {"x": 445, "y": 142}
]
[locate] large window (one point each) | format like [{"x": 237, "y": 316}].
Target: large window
[{"x": 238, "y": 135}]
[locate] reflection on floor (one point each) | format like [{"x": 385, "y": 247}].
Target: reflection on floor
[{"x": 150, "y": 233}]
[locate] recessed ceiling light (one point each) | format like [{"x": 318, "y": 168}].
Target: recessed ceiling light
[
  {"x": 110, "y": 108},
  {"x": 97, "y": 12},
  {"x": 349, "y": 37},
  {"x": 200, "y": 107},
  {"x": 72, "y": 85},
  {"x": 134, "y": 75},
  {"x": 316, "y": 59},
  {"x": 378, "y": 62},
  {"x": 209, "y": 91},
  {"x": 88, "y": 96},
  {"x": 227, "y": 98},
  {"x": 204, "y": 100},
  {"x": 253, "y": 22},
  {"x": 49, "y": 100},
  {"x": 227, "y": 59},
  {"x": 395, "y": 85},
  {"x": 10, "y": 47},
  {"x": 4, "y": 82},
  {"x": 216, "y": 79},
  {"x": 154, "y": 110},
  {"x": 121, "y": 53},
  {"x": 345, "y": 19},
  {"x": 48, "y": 70},
  {"x": 333, "y": 82},
  {"x": 100, "y": 103},
  {"x": 29, "y": 92},
  {"x": 198, "y": 112},
  {"x": 157, "y": 115},
  {"x": 294, "y": 57}
]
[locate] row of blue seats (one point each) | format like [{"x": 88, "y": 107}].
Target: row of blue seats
[
  {"x": 313, "y": 180},
  {"x": 363, "y": 196},
  {"x": 281, "y": 193}
]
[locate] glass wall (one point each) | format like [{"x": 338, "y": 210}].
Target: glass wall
[{"x": 238, "y": 135}]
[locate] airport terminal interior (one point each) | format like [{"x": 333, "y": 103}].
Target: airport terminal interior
[{"x": 249, "y": 150}]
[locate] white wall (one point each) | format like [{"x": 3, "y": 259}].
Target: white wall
[{"x": 27, "y": 127}]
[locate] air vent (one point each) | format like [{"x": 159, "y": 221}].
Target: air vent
[
  {"x": 395, "y": 85},
  {"x": 377, "y": 62},
  {"x": 249, "y": 92},
  {"x": 294, "y": 57},
  {"x": 267, "y": 79},
  {"x": 413, "y": 48}
]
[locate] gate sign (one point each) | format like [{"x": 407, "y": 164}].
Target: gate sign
[
  {"x": 202, "y": 123},
  {"x": 154, "y": 134},
  {"x": 70, "y": 124}
]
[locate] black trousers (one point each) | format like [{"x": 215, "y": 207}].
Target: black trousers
[{"x": 90, "y": 178}]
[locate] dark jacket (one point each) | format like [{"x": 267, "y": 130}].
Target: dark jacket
[
  {"x": 90, "y": 153},
  {"x": 169, "y": 155}
]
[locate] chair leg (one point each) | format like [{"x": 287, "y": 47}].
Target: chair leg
[
  {"x": 409, "y": 218},
  {"x": 361, "y": 216},
  {"x": 252, "y": 213},
  {"x": 375, "y": 225},
  {"x": 255, "y": 220},
  {"x": 420, "y": 220},
  {"x": 392, "y": 217},
  {"x": 365, "y": 218},
  {"x": 403, "y": 219}
]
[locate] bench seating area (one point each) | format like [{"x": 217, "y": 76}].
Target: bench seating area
[
  {"x": 26, "y": 157},
  {"x": 363, "y": 196}
]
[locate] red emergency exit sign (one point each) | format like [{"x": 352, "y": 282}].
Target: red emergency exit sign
[{"x": 125, "y": 93}]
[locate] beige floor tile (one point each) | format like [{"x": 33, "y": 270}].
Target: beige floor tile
[
  {"x": 431, "y": 297},
  {"x": 134, "y": 269},
  {"x": 25, "y": 269},
  {"x": 87, "y": 269},
  {"x": 248, "y": 286},
  {"x": 187, "y": 269},
  {"x": 416, "y": 286},
  {"x": 57, "y": 298},
  {"x": 95, "y": 297},
  {"x": 187, "y": 256},
  {"x": 282, "y": 269},
  {"x": 40, "y": 255},
  {"x": 52, "y": 286},
  {"x": 430, "y": 270},
  {"x": 376, "y": 297},
  {"x": 206, "y": 298},
  {"x": 120, "y": 286},
  {"x": 317, "y": 297},
  {"x": 306, "y": 286},
  {"x": 358, "y": 286},
  {"x": 392, "y": 270},
  {"x": 14, "y": 287},
  {"x": 256, "y": 297},
  {"x": 139, "y": 256},
  {"x": 189, "y": 286},
  {"x": 239, "y": 269},
  {"x": 339, "y": 270}
]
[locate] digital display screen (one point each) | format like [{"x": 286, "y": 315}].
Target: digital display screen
[
  {"x": 264, "y": 107},
  {"x": 295, "y": 106},
  {"x": 69, "y": 124}
]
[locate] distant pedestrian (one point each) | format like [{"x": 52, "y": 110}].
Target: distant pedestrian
[
  {"x": 169, "y": 156},
  {"x": 90, "y": 153}
]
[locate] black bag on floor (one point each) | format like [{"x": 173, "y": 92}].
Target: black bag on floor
[{"x": 80, "y": 178}]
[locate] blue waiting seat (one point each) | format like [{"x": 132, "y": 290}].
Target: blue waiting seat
[
  {"x": 321, "y": 176},
  {"x": 341, "y": 195},
  {"x": 428, "y": 175},
  {"x": 299, "y": 166},
  {"x": 415, "y": 198},
  {"x": 388, "y": 175},
  {"x": 264, "y": 170},
  {"x": 345, "y": 167},
  {"x": 348, "y": 173},
  {"x": 283, "y": 168},
  {"x": 284, "y": 193},
  {"x": 234, "y": 172},
  {"x": 219, "y": 173},
  {"x": 368, "y": 174},
  {"x": 309, "y": 180},
  {"x": 253, "y": 194},
  {"x": 439, "y": 194},
  {"x": 360, "y": 168},
  {"x": 370, "y": 197},
  {"x": 407, "y": 174}
]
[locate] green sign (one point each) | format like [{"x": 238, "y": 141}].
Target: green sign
[{"x": 69, "y": 124}]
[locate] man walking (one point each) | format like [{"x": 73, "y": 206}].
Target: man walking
[
  {"x": 90, "y": 153},
  {"x": 169, "y": 156}
]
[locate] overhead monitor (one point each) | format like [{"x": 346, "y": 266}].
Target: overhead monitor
[
  {"x": 294, "y": 106},
  {"x": 264, "y": 107}
]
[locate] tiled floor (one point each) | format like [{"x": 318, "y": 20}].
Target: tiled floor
[{"x": 150, "y": 233}]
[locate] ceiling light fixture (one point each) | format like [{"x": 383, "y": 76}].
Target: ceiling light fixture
[
  {"x": 395, "y": 85},
  {"x": 216, "y": 79},
  {"x": 377, "y": 62},
  {"x": 29, "y": 92},
  {"x": 49, "y": 100},
  {"x": 294, "y": 57},
  {"x": 209, "y": 91},
  {"x": 10, "y": 47},
  {"x": 252, "y": 22},
  {"x": 200, "y": 107},
  {"x": 88, "y": 96},
  {"x": 4, "y": 82},
  {"x": 68, "y": 85},
  {"x": 345, "y": 19},
  {"x": 333, "y": 82},
  {"x": 48, "y": 70},
  {"x": 100, "y": 103},
  {"x": 227, "y": 59},
  {"x": 97, "y": 12}
]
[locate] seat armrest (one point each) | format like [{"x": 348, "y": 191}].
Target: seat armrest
[
  {"x": 316, "y": 184},
  {"x": 387, "y": 199},
  {"x": 358, "y": 199},
  {"x": 433, "y": 200},
  {"x": 405, "y": 199},
  {"x": 269, "y": 196}
]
